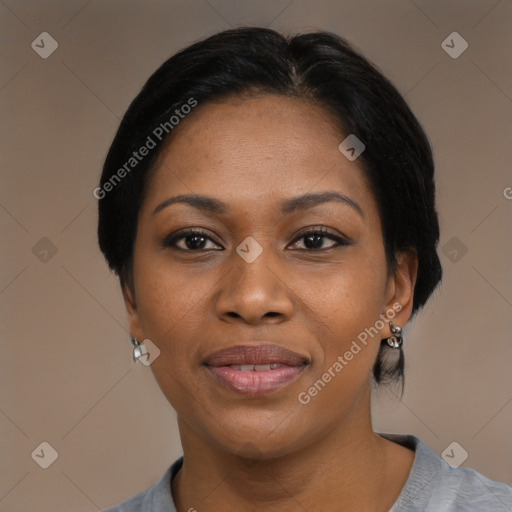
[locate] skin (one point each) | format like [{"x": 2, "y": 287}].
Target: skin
[{"x": 269, "y": 452}]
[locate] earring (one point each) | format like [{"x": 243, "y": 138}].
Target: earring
[
  {"x": 137, "y": 349},
  {"x": 395, "y": 340}
]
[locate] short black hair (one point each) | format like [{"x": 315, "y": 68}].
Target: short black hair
[{"x": 320, "y": 67}]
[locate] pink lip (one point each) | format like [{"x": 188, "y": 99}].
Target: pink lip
[{"x": 255, "y": 383}]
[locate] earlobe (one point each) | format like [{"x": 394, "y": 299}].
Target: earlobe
[{"x": 401, "y": 285}]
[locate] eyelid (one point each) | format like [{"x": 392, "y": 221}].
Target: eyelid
[
  {"x": 341, "y": 240},
  {"x": 170, "y": 240},
  {"x": 324, "y": 231}
]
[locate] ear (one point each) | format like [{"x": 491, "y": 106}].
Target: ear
[
  {"x": 400, "y": 289},
  {"x": 130, "y": 304}
]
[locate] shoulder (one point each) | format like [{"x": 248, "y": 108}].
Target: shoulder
[
  {"x": 133, "y": 504},
  {"x": 435, "y": 486},
  {"x": 468, "y": 490},
  {"x": 158, "y": 497}
]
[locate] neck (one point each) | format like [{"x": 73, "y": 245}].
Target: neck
[{"x": 347, "y": 469}]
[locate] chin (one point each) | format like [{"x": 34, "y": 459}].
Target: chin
[{"x": 258, "y": 435}]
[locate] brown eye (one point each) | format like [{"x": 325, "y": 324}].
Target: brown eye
[
  {"x": 314, "y": 240},
  {"x": 190, "y": 240}
]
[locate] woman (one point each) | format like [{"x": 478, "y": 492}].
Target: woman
[{"x": 268, "y": 205}]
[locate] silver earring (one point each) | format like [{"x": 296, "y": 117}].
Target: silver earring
[
  {"x": 395, "y": 340},
  {"x": 137, "y": 349}
]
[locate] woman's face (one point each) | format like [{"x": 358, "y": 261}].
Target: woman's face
[{"x": 255, "y": 275}]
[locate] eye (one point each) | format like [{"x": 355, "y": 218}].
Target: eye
[
  {"x": 314, "y": 239},
  {"x": 193, "y": 240}
]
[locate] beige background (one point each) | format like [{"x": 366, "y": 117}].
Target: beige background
[{"x": 66, "y": 373}]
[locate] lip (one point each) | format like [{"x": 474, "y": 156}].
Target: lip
[{"x": 288, "y": 366}]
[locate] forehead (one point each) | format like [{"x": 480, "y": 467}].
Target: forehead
[{"x": 253, "y": 149}]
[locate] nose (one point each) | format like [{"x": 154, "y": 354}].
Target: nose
[{"x": 255, "y": 292}]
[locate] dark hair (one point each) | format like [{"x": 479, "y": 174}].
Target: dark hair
[{"x": 319, "y": 67}]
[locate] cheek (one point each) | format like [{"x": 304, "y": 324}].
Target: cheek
[
  {"x": 350, "y": 297},
  {"x": 345, "y": 317},
  {"x": 172, "y": 305},
  {"x": 172, "y": 310},
  {"x": 349, "y": 341}
]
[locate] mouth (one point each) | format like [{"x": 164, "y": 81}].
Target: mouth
[{"x": 254, "y": 370}]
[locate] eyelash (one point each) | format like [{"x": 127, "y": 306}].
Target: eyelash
[{"x": 170, "y": 241}]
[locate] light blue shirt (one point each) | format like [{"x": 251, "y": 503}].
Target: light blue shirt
[{"x": 432, "y": 486}]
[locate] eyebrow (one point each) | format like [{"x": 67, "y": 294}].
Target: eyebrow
[{"x": 288, "y": 206}]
